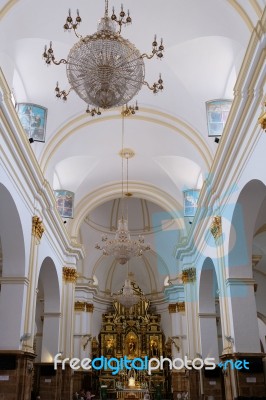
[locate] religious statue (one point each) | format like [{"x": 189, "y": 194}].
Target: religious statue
[
  {"x": 154, "y": 348},
  {"x": 109, "y": 347},
  {"x": 131, "y": 346}
]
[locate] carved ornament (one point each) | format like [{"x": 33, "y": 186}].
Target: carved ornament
[
  {"x": 172, "y": 308},
  {"x": 70, "y": 274},
  {"x": 37, "y": 227},
  {"x": 80, "y": 306},
  {"x": 181, "y": 307},
  {"x": 216, "y": 227},
  {"x": 189, "y": 275},
  {"x": 89, "y": 307}
]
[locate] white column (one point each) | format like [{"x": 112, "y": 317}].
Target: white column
[
  {"x": 191, "y": 299},
  {"x": 29, "y": 325},
  {"x": 243, "y": 315},
  {"x": 208, "y": 336},
  {"x": 176, "y": 310},
  {"x": 13, "y": 293},
  {"x": 82, "y": 335},
  {"x": 67, "y": 321},
  {"x": 50, "y": 338}
]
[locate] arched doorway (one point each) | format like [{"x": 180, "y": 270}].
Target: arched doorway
[
  {"x": 210, "y": 330},
  {"x": 47, "y": 312},
  {"x": 13, "y": 280}
]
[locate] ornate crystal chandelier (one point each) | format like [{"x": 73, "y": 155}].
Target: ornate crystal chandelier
[
  {"x": 127, "y": 297},
  {"x": 104, "y": 69},
  {"x": 122, "y": 247}
]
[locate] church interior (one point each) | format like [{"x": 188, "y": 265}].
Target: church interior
[{"x": 132, "y": 199}]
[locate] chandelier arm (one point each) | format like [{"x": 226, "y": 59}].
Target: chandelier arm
[
  {"x": 62, "y": 93},
  {"x": 149, "y": 86},
  {"x": 77, "y": 34},
  {"x": 62, "y": 61},
  {"x": 145, "y": 55}
]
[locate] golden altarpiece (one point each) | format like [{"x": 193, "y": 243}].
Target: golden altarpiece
[{"x": 135, "y": 333}]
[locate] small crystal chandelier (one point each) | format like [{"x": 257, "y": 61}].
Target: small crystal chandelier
[
  {"x": 104, "y": 69},
  {"x": 122, "y": 247},
  {"x": 127, "y": 297}
]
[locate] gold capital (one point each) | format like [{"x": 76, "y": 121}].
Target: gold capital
[
  {"x": 216, "y": 227},
  {"x": 262, "y": 120},
  {"x": 172, "y": 308},
  {"x": 79, "y": 306},
  {"x": 70, "y": 274},
  {"x": 189, "y": 275},
  {"x": 181, "y": 307},
  {"x": 37, "y": 227},
  {"x": 89, "y": 307}
]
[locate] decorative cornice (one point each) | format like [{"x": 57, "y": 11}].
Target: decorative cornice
[
  {"x": 216, "y": 227},
  {"x": 37, "y": 227},
  {"x": 239, "y": 282},
  {"x": 181, "y": 306},
  {"x": 189, "y": 275},
  {"x": 70, "y": 274},
  {"x": 172, "y": 308},
  {"x": 16, "y": 280}
]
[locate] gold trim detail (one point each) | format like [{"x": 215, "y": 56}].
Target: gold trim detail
[
  {"x": 172, "y": 308},
  {"x": 262, "y": 120},
  {"x": 127, "y": 153},
  {"x": 216, "y": 227},
  {"x": 89, "y": 307},
  {"x": 189, "y": 275},
  {"x": 70, "y": 274},
  {"x": 37, "y": 227},
  {"x": 181, "y": 306},
  {"x": 80, "y": 306}
]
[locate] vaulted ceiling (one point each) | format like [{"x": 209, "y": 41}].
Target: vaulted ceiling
[{"x": 205, "y": 42}]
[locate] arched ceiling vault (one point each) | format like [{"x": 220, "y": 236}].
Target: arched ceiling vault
[
  {"x": 242, "y": 9},
  {"x": 205, "y": 42}
]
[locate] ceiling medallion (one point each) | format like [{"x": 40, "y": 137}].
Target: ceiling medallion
[{"x": 104, "y": 69}]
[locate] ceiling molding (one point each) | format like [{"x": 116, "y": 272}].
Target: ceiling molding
[
  {"x": 7, "y": 7},
  {"x": 145, "y": 114},
  {"x": 112, "y": 191},
  {"x": 242, "y": 14}
]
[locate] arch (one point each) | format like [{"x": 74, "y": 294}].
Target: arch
[
  {"x": 208, "y": 289},
  {"x": 48, "y": 310},
  {"x": 166, "y": 121},
  {"x": 243, "y": 227},
  {"x": 13, "y": 264},
  {"x": 208, "y": 286},
  {"x": 12, "y": 236},
  {"x": 113, "y": 191}
]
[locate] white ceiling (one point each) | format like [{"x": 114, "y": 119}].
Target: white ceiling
[{"x": 205, "y": 42}]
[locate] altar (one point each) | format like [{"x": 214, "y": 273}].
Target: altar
[{"x": 131, "y": 393}]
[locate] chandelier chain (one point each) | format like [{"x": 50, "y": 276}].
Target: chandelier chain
[
  {"x": 106, "y": 8},
  {"x": 123, "y": 138}
]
